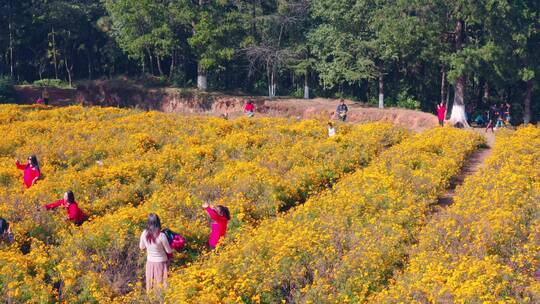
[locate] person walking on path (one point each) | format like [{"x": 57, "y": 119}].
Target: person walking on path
[
  {"x": 491, "y": 118},
  {"x": 31, "y": 171},
  {"x": 220, "y": 216},
  {"x": 342, "y": 110},
  {"x": 6, "y": 235},
  {"x": 74, "y": 213},
  {"x": 441, "y": 113},
  {"x": 157, "y": 249}
]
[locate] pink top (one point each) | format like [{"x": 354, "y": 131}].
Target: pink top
[
  {"x": 30, "y": 173},
  {"x": 441, "y": 111},
  {"x": 219, "y": 227},
  {"x": 75, "y": 214}
]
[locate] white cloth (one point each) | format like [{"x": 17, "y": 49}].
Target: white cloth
[
  {"x": 156, "y": 251},
  {"x": 331, "y": 131}
]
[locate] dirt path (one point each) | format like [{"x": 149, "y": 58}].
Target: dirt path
[{"x": 474, "y": 162}]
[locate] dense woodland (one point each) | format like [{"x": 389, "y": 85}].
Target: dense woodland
[{"x": 410, "y": 53}]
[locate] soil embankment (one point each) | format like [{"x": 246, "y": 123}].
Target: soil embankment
[{"x": 127, "y": 94}]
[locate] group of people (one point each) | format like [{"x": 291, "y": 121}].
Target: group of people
[
  {"x": 497, "y": 116},
  {"x": 158, "y": 243}
]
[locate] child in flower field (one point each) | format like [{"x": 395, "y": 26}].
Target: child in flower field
[
  {"x": 5, "y": 232},
  {"x": 249, "y": 109},
  {"x": 220, "y": 216},
  {"x": 74, "y": 213},
  {"x": 157, "y": 248},
  {"x": 31, "y": 170},
  {"x": 331, "y": 130}
]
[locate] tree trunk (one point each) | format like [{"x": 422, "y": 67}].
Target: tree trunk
[
  {"x": 306, "y": 85},
  {"x": 68, "y": 71},
  {"x": 171, "y": 68},
  {"x": 443, "y": 85},
  {"x": 151, "y": 61},
  {"x": 381, "y": 91},
  {"x": 158, "y": 60},
  {"x": 54, "y": 54},
  {"x": 202, "y": 83},
  {"x": 10, "y": 26},
  {"x": 527, "y": 102},
  {"x": 458, "y": 117},
  {"x": 485, "y": 97}
]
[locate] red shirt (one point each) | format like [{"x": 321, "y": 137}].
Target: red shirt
[
  {"x": 75, "y": 214},
  {"x": 219, "y": 227},
  {"x": 441, "y": 110},
  {"x": 249, "y": 107},
  {"x": 30, "y": 173}
]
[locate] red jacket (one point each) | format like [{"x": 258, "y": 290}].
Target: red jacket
[
  {"x": 75, "y": 214},
  {"x": 219, "y": 227},
  {"x": 441, "y": 111},
  {"x": 249, "y": 107},
  {"x": 30, "y": 173}
]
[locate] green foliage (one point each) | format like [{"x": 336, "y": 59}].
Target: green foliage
[{"x": 56, "y": 83}]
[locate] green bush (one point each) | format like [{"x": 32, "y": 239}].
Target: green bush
[
  {"x": 7, "y": 92},
  {"x": 57, "y": 83}
]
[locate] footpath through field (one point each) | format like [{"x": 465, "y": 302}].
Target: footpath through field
[{"x": 475, "y": 161}]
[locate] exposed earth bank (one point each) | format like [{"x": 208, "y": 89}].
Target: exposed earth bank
[{"x": 127, "y": 94}]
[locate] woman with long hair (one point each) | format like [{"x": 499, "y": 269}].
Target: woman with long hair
[
  {"x": 157, "y": 247},
  {"x": 31, "y": 171},
  {"x": 74, "y": 213},
  {"x": 220, "y": 216}
]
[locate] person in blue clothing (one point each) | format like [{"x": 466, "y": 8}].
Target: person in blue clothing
[{"x": 342, "y": 110}]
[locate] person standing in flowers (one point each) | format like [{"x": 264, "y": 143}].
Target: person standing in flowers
[
  {"x": 31, "y": 171},
  {"x": 441, "y": 113},
  {"x": 6, "y": 236},
  {"x": 74, "y": 213},
  {"x": 157, "y": 249},
  {"x": 249, "y": 109},
  {"x": 220, "y": 216},
  {"x": 331, "y": 130}
]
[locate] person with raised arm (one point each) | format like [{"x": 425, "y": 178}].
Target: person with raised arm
[
  {"x": 74, "y": 213},
  {"x": 220, "y": 216},
  {"x": 31, "y": 171}
]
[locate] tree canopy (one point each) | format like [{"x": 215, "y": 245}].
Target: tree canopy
[{"x": 412, "y": 53}]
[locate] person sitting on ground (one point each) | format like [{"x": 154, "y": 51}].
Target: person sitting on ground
[
  {"x": 441, "y": 113},
  {"x": 331, "y": 130},
  {"x": 342, "y": 110},
  {"x": 6, "y": 235},
  {"x": 157, "y": 250},
  {"x": 220, "y": 216},
  {"x": 31, "y": 171},
  {"x": 74, "y": 213},
  {"x": 40, "y": 101},
  {"x": 249, "y": 109}
]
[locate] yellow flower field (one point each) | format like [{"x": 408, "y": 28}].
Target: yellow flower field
[
  {"x": 123, "y": 164},
  {"x": 341, "y": 245},
  {"x": 486, "y": 247}
]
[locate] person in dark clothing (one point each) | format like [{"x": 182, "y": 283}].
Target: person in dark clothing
[{"x": 342, "y": 110}]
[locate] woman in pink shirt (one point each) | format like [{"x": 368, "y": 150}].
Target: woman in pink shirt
[
  {"x": 157, "y": 247},
  {"x": 31, "y": 171},
  {"x": 220, "y": 216},
  {"x": 74, "y": 213}
]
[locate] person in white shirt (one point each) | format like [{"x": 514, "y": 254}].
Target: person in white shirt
[
  {"x": 331, "y": 130},
  {"x": 157, "y": 247}
]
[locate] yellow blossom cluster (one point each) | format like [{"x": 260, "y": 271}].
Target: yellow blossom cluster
[
  {"x": 486, "y": 247},
  {"x": 343, "y": 243},
  {"x": 123, "y": 164}
]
